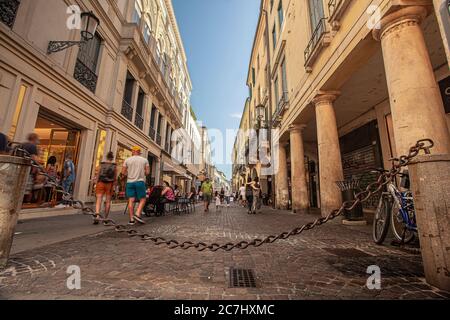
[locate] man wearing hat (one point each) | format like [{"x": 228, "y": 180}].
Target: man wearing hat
[
  {"x": 136, "y": 168},
  {"x": 207, "y": 190}
]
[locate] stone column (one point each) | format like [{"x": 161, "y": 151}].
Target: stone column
[
  {"x": 330, "y": 163},
  {"x": 282, "y": 179},
  {"x": 430, "y": 177},
  {"x": 300, "y": 200},
  {"x": 416, "y": 103}
]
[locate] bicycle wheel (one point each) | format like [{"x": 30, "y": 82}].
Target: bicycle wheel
[
  {"x": 381, "y": 220},
  {"x": 399, "y": 227}
]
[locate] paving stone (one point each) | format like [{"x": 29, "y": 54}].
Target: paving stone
[{"x": 114, "y": 266}]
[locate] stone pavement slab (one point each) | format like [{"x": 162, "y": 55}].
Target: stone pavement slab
[{"x": 329, "y": 262}]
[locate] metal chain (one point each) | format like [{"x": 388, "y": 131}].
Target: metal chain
[{"x": 362, "y": 197}]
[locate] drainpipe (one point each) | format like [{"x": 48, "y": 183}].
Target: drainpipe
[{"x": 269, "y": 114}]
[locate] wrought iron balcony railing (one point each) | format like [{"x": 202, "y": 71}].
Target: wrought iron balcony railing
[
  {"x": 139, "y": 121},
  {"x": 8, "y": 11},
  {"x": 152, "y": 133},
  {"x": 127, "y": 110},
  {"x": 319, "y": 31},
  {"x": 332, "y": 6},
  {"x": 85, "y": 76},
  {"x": 158, "y": 139},
  {"x": 281, "y": 108}
]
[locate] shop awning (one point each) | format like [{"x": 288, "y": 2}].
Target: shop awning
[{"x": 172, "y": 170}]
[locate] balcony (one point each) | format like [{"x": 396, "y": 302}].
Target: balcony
[
  {"x": 8, "y": 11},
  {"x": 85, "y": 76},
  {"x": 320, "y": 39},
  {"x": 139, "y": 121},
  {"x": 336, "y": 8},
  {"x": 281, "y": 109},
  {"x": 158, "y": 139},
  {"x": 152, "y": 133},
  {"x": 127, "y": 110}
]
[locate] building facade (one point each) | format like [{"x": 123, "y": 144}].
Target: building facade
[
  {"x": 372, "y": 80},
  {"x": 127, "y": 86}
]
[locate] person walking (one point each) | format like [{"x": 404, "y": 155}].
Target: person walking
[
  {"x": 136, "y": 168},
  {"x": 249, "y": 194},
  {"x": 207, "y": 191},
  {"x": 256, "y": 196},
  {"x": 242, "y": 195},
  {"x": 52, "y": 172},
  {"x": 227, "y": 197},
  {"x": 106, "y": 178},
  {"x": 68, "y": 178}
]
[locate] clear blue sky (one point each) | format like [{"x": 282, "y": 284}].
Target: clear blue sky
[{"x": 218, "y": 38}]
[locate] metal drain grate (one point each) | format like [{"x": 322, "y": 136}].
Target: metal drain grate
[{"x": 242, "y": 278}]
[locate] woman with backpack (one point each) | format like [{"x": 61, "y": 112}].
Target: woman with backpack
[{"x": 105, "y": 183}]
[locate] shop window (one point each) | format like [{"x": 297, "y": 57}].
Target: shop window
[
  {"x": 17, "y": 112},
  {"x": 8, "y": 11},
  {"x": 123, "y": 153}
]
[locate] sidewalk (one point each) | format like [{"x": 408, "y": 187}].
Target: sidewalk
[{"x": 330, "y": 262}]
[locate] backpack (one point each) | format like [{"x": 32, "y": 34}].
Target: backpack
[{"x": 107, "y": 172}]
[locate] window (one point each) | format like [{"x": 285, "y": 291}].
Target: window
[
  {"x": 137, "y": 12},
  {"x": 274, "y": 37},
  {"x": 253, "y": 76},
  {"x": 8, "y": 11},
  {"x": 139, "y": 118},
  {"x": 18, "y": 110},
  {"x": 284, "y": 77},
  {"x": 276, "y": 91},
  {"x": 316, "y": 13},
  {"x": 281, "y": 14},
  {"x": 87, "y": 61},
  {"x": 147, "y": 32}
]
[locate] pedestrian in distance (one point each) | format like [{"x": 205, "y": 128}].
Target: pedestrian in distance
[
  {"x": 68, "y": 178},
  {"x": 218, "y": 201},
  {"x": 242, "y": 198},
  {"x": 256, "y": 196},
  {"x": 249, "y": 194},
  {"x": 207, "y": 190},
  {"x": 136, "y": 168},
  {"x": 105, "y": 179}
]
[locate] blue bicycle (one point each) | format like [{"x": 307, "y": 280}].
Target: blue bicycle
[{"x": 395, "y": 209}]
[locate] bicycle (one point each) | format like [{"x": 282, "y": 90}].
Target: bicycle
[{"x": 395, "y": 209}]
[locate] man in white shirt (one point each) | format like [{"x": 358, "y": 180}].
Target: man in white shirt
[
  {"x": 136, "y": 168},
  {"x": 242, "y": 195}
]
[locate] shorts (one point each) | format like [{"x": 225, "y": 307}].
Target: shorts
[
  {"x": 207, "y": 197},
  {"x": 104, "y": 188},
  {"x": 136, "y": 190}
]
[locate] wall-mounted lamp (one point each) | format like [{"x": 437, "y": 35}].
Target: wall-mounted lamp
[{"x": 89, "y": 25}]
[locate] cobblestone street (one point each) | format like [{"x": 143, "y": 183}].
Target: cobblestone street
[{"x": 329, "y": 262}]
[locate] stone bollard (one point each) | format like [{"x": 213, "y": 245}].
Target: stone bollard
[
  {"x": 430, "y": 181},
  {"x": 14, "y": 173}
]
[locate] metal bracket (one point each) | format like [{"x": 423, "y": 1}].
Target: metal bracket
[{"x": 56, "y": 46}]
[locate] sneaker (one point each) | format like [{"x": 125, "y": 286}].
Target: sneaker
[
  {"x": 61, "y": 206},
  {"x": 139, "y": 219},
  {"x": 131, "y": 223}
]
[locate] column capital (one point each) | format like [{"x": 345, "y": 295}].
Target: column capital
[
  {"x": 297, "y": 127},
  {"x": 326, "y": 97},
  {"x": 407, "y": 16}
]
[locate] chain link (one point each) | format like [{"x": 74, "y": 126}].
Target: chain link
[{"x": 362, "y": 197}]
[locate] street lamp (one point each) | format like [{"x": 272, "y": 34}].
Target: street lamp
[
  {"x": 89, "y": 25},
  {"x": 261, "y": 115}
]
